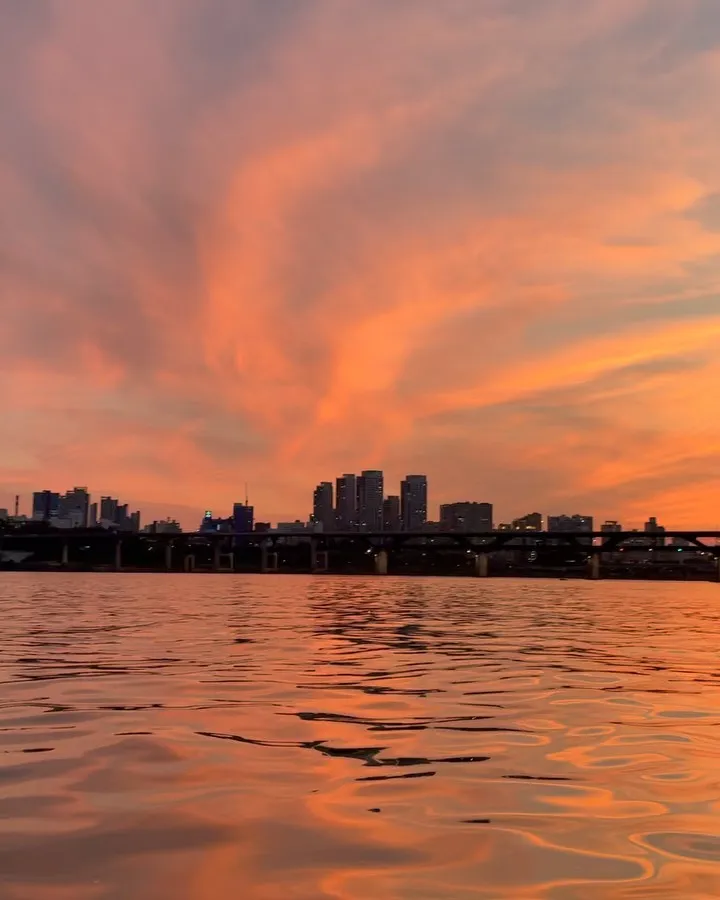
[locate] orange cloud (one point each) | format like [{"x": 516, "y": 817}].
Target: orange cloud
[{"x": 480, "y": 242}]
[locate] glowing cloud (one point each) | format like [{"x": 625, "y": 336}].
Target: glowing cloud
[{"x": 270, "y": 242}]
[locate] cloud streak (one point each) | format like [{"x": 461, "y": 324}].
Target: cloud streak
[{"x": 258, "y": 242}]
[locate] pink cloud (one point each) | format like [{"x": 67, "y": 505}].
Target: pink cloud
[{"x": 242, "y": 245}]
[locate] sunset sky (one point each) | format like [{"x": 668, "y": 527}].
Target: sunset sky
[{"x": 271, "y": 241}]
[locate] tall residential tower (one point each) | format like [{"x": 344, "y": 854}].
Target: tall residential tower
[
  {"x": 323, "y": 509},
  {"x": 346, "y": 502},
  {"x": 413, "y": 502},
  {"x": 370, "y": 500},
  {"x": 392, "y": 520}
]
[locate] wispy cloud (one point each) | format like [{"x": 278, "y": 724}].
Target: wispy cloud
[{"x": 267, "y": 242}]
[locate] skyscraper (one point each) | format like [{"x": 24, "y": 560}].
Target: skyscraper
[
  {"x": 45, "y": 505},
  {"x": 346, "y": 502},
  {"x": 74, "y": 507},
  {"x": 108, "y": 509},
  {"x": 370, "y": 500},
  {"x": 466, "y": 516},
  {"x": 413, "y": 502},
  {"x": 242, "y": 518},
  {"x": 323, "y": 509},
  {"x": 392, "y": 520}
]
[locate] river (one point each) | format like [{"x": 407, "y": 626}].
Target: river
[{"x": 208, "y": 737}]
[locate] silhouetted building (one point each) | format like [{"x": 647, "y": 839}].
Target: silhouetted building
[
  {"x": 570, "y": 523},
  {"x": 109, "y": 509},
  {"x": 4, "y": 514},
  {"x": 530, "y": 522},
  {"x": 296, "y": 527},
  {"x": 18, "y": 520},
  {"x": 261, "y": 527},
  {"x": 611, "y": 526},
  {"x": 45, "y": 505},
  {"x": 652, "y": 525},
  {"x": 370, "y": 490},
  {"x": 211, "y": 523},
  {"x": 73, "y": 509},
  {"x": 323, "y": 507},
  {"x": 564, "y": 524},
  {"x": 164, "y": 526},
  {"x": 113, "y": 515},
  {"x": 413, "y": 502},
  {"x": 392, "y": 520},
  {"x": 242, "y": 517},
  {"x": 346, "y": 502},
  {"x": 466, "y": 516}
]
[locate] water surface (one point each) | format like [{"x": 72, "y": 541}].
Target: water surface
[{"x": 202, "y": 736}]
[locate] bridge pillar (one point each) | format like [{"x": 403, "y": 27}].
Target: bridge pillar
[
  {"x": 216, "y": 556},
  {"x": 318, "y": 558},
  {"x": 268, "y": 560},
  {"x": 65, "y": 558},
  {"x": 381, "y": 562},
  {"x": 169, "y": 556},
  {"x": 118, "y": 555},
  {"x": 717, "y": 567},
  {"x": 481, "y": 565},
  {"x": 189, "y": 562},
  {"x": 594, "y": 566}
]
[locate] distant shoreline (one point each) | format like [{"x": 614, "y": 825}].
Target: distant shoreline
[{"x": 614, "y": 574}]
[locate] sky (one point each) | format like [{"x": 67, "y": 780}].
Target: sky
[{"x": 271, "y": 241}]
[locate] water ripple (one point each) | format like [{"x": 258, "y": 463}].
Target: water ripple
[{"x": 201, "y": 736}]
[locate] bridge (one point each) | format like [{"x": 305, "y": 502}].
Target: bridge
[{"x": 180, "y": 551}]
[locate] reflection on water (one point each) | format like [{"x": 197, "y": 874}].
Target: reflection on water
[{"x": 288, "y": 737}]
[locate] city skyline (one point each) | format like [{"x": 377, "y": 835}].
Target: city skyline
[
  {"x": 339, "y": 505},
  {"x": 266, "y": 242}
]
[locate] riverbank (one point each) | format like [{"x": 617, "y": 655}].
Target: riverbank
[{"x": 610, "y": 573}]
